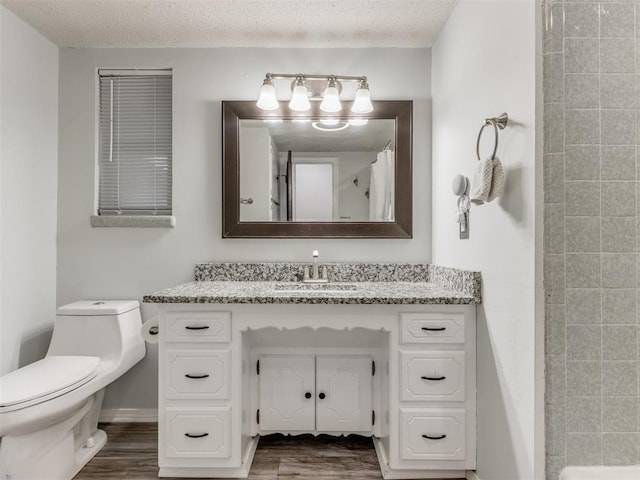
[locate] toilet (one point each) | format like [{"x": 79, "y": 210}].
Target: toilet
[{"x": 49, "y": 409}]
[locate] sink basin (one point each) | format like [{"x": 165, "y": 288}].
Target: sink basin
[{"x": 315, "y": 287}]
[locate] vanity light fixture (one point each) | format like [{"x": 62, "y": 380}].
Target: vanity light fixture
[
  {"x": 268, "y": 100},
  {"x": 329, "y": 121},
  {"x": 331, "y": 101},
  {"x": 300, "y": 98},
  {"x": 315, "y": 87},
  {"x": 358, "y": 122},
  {"x": 330, "y": 127},
  {"x": 362, "y": 102}
]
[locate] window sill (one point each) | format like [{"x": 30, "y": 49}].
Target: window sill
[{"x": 134, "y": 221}]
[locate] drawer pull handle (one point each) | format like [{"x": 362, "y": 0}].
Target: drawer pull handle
[
  {"x": 437, "y": 437},
  {"x": 204, "y": 327},
  {"x": 434, "y": 329},
  {"x": 196, "y": 435},
  {"x": 433, "y": 378},
  {"x": 196, "y": 377}
]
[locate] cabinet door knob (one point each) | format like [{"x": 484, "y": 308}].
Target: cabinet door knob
[
  {"x": 196, "y": 435},
  {"x": 307, "y": 395},
  {"x": 434, "y": 329},
  {"x": 322, "y": 396},
  {"x": 432, "y": 378},
  {"x": 434, "y": 437},
  {"x": 204, "y": 327},
  {"x": 195, "y": 376}
]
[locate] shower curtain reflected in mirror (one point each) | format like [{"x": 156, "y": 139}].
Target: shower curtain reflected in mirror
[{"x": 381, "y": 189}]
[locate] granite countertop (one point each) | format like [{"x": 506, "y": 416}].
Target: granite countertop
[
  {"x": 352, "y": 284},
  {"x": 333, "y": 293}
]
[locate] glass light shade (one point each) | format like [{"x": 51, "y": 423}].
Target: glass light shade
[
  {"x": 300, "y": 99},
  {"x": 358, "y": 122},
  {"x": 329, "y": 121},
  {"x": 331, "y": 101},
  {"x": 267, "y": 99},
  {"x": 339, "y": 125},
  {"x": 362, "y": 102}
]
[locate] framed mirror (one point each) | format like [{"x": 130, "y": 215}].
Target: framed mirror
[{"x": 311, "y": 175}]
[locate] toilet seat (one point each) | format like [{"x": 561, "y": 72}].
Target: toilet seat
[{"x": 45, "y": 379}]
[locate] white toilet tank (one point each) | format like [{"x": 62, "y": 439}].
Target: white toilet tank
[{"x": 109, "y": 329}]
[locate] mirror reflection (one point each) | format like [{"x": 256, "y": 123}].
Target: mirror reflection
[{"x": 317, "y": 170}]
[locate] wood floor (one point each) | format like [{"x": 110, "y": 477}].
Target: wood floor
[{"x": 131, "y": 453}]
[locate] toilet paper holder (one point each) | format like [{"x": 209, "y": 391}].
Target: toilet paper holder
[
  {"x": 460, "y": 188},
  {"x": 150, "y": 330}
]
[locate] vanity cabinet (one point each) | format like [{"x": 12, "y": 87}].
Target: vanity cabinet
[
  {"x": 195, "y": 410},
  {"x": 317, "y": 394},
  {"x": 213, "y": 403},
  {"x": 435, "y": 397}
]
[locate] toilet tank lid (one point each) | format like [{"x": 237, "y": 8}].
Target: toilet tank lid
[{"x": 98, "y": 307}]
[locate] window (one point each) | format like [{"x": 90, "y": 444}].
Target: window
[{"x": 135, "y": 144}]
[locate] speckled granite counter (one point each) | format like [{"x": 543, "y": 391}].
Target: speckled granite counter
[{"x": 351, "y": 283}]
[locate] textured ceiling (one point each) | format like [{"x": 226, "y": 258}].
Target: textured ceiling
[{"x": 235, "y": 23}]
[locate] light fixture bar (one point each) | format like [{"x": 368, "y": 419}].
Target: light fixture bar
[
  {"x": 340, "y": 78},
  {"x": 330, "y": 97}
]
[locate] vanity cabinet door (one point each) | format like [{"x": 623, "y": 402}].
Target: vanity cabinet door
[
  {"x": 287, "y": 393},
  {"x": 196, "y": 374},
  {"x": 198, "y": 432},
  {"x": 344, "y": 395},
  {"x": 432, "y": 434},
  {"x": 432, "y": 375},
  {"x": 190, "y": 327}
]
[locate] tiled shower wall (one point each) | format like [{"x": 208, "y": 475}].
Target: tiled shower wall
[{"x": 591, "y": 137}]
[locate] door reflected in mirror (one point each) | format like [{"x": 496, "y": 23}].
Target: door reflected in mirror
[{"x": 317, "y": 170}]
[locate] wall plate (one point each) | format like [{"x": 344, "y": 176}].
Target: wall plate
[{"x": 464, "y": 234}]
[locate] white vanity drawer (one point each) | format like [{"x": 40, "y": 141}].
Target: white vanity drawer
[
  {"x": 199, "y": 327},
  {"x": 435, "y": 434},
  {"x": 198, "y": 433},
  {"x": 194, "y": 374},
  {"x": 432, "y": 327},
  {"x": 432, "y": 375}
]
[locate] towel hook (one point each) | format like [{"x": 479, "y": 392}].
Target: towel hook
[{"x": 499, "y": 122}]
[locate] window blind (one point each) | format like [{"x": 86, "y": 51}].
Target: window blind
[{"x": 135, "y": 143}]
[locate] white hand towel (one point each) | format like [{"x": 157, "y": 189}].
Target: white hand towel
[
  {"x": 488, "y": 181},
  {"x": 497, "y": 180},
  {"x": 481, "y": 183}
]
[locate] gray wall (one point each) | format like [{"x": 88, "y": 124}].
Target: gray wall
[
  {"x": 477, "y": 74},
  {"x": 128, "y": 262},
  {"x": 591, "y": 240},
  {"x": 28, "y": 170}
]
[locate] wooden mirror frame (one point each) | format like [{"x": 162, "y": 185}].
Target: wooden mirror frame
[{"x": 234, "y": 111}]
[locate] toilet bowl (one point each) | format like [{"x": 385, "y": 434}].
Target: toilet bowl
[{"x": 49, "y": 409}]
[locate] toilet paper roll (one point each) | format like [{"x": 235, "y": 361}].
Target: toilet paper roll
[{"x": 150, "y": 330}]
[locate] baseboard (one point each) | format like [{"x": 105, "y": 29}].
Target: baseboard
[
  {"x": 133, "y": 415},
  {"x": 472, "y": 475}
]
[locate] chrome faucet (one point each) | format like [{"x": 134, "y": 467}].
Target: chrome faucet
[{"x": 315, "y": 276}]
